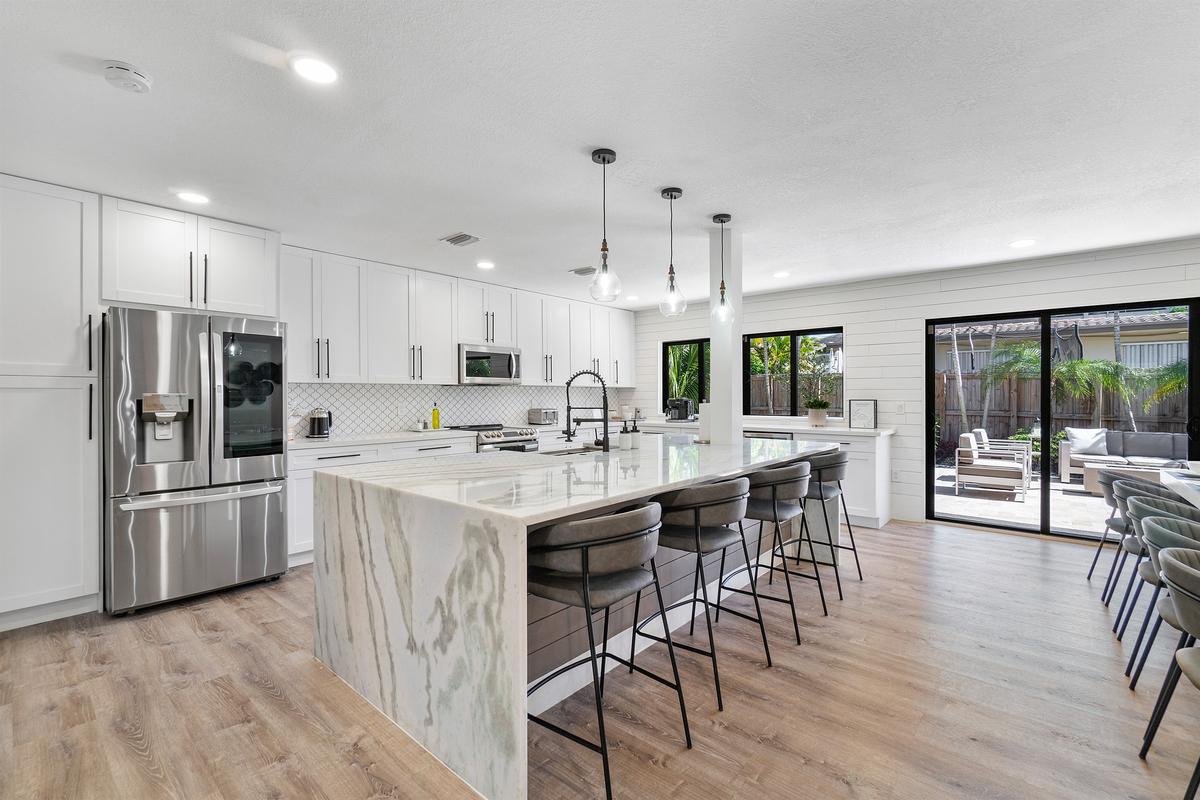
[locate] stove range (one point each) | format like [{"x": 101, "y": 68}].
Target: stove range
[{"x": 491, "y": 437}]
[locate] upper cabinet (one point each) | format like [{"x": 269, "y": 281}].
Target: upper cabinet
[
  {"x": 556, "y": 333},
  {"x": 324, "y": 305},
  {"x": 389, "y": 332},
  {"x": 163, "y": 257},
  {"x": 49, "y": 272},
  {"x": 486, "y": 313},
  {"x": 620, "y": 346},
  {"x": 535, "y": 363},
  {"x": 433, "y": 343}
]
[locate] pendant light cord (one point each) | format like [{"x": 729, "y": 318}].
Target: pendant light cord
[
  {"x": 603, "y": 201},
  {"x": 722, "y": 253},
  {"x": 672, "y": 259}
]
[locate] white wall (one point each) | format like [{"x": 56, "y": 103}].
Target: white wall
[{"x": 884, "y": 322}]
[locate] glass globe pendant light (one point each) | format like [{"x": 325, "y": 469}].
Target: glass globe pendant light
[
  {"x": 723, "y": 310},
  {"x": 673, "y": 303},
  {"x": 606, "y": 285}
]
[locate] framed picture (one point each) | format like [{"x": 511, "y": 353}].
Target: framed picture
[{"x": 864, "y": 413}]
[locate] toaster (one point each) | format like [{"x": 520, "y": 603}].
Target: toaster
[{"x": 543, "y": 416}]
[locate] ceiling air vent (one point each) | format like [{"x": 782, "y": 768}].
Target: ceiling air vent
[
  {"x": 459, "y": 239},
  {"x": 583, "y": 272}
]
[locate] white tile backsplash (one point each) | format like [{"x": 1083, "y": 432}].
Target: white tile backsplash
[{"x": 361, "y": 408}]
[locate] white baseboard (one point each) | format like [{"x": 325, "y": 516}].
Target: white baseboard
[
  {"x": 300, "y": 559},
  {"x": 22, "y": 617}
]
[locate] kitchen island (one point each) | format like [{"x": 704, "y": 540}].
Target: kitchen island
[{"x": 421, "y": 570}]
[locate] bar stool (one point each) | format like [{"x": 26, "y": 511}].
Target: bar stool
[
  {"x": 1159, "y": 533},
  {"x": 694, "y": 521},
  {"x": 829, "y": 469},
  {"x": 1122, "y": 491},
  {"x": 1181, "y": 574},
  {"x": 1146, "y": 571},
  {"x": 1115, "y": 523},
  {"x": 1132, "y": 543},
  {"x": 593, "y": 564}
]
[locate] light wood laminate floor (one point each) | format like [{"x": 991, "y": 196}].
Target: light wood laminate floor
[{"x": 970, "y": 664}]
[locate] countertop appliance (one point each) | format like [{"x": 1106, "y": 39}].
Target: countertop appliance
[
  {"x": 195, "y": 431},
  {"x": 320, "y": 423},
  {"x": 491, "y": 437},
  {"x": 680, "y": 408},
  {"x": 543, "y": 416},
  {"x": 488, "y": 363}
]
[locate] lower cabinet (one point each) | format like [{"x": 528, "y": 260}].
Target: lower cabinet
[
  {"x": 50, "y": 460},
  {"x": 300, "y": 511}
]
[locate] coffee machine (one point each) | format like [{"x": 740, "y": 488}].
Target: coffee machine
[{"x": 680, "y": 408}]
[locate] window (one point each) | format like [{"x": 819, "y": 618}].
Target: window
[
  {"x": 687, "y": 368},
  {"x": 790, "y": 371}
]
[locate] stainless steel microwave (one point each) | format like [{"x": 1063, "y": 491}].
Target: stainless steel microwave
[{"x": 488, "y": 363}]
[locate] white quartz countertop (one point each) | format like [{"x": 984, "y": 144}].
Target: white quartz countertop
[
  {"x": 770, "y": 426},
  {"x": 1185, "y": 483},
  {"x": 385, "y": 437},
  {"x": 535, "y": 488}
]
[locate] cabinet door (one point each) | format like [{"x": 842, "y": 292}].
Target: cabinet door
[
  {"x": 556, "y": 334},
  {"x": 343, "y": 319},
  {"x": 300, "y": 512},
  {"x": 433, "y": 315},
  {"x": 49, "y": 279},
  {"x": 600, "y": 347},
  {"x": 535, "y": 366},
  {"x": 49, "y": 457},
  {"x": 581, "y": 338},
  {"x": 474, "y": 326},
  {"x": 620, "y": 338},
  {"x": 502, "y": 305},
  {"x": 238, "y": 269},
  {"x": 389, "y": 342},
  {"x": 148, "y": 254},
  {"x": 298, "y": 307}
]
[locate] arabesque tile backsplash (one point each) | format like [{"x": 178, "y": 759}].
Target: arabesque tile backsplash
[{"x": 362, "y": 408}]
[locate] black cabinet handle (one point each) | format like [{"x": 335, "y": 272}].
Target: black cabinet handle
[
  {"x": 89, "y": 342},
  {"x": 328, "y": 360},
  {"x": 438, "y": 447},
  {"x": 347, "y": 455},
  {"x": 191, "y": 279},
  {"x": 91, "y": 388},
  {"x": 206, "y": 279}
]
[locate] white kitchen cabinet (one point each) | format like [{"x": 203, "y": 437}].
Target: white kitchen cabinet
[
  {"x": 298, "y": 271},
  {"x": 581, "y": 337},
  {"x": 535, "y": 365},
  {"x": 238, "y": 270},
  {"x": 556, "y": 335},
  {"x": 300, "y": 511},
  {"x": 49, "y": 279},
  {"x": 324, "y": 305},
  {"x": 486, "y": 313},
  {"x": 601, "y": 355},
  {"x": 159, "y": 256},
  {"x": 621, "y": 346},
  {"x": 389, "y": 329},
  {"x": 50, "y": 459},
  {"x": 433, "y": 347}
]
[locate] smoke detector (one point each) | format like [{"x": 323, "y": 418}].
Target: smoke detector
[
  {"x": 583, "y": 272},
  {"x": 127, "y": 77},
  {"x": 459, "y": 239}
]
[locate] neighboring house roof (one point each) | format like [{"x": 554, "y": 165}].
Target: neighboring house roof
[{"x": 1098, "y": 323}]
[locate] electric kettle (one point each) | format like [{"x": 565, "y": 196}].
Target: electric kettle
[{"x": 320, "y": 423}]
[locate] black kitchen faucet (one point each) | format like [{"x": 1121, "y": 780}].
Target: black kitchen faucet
[{"x": 603, "y": 441}]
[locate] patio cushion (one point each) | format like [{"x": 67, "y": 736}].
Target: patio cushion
[
  {"x": 986, "y": 467},
  {"x": 1155, "y": 444},
  {"x": 1080, "y": 460},
  {"x": 1151, "y": 461},
  {"x": 1088, "y": 441}
]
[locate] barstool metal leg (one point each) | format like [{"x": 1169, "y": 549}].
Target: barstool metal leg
[
  {"x": 850, "y": 531},
  {"x": 777, "y": 542},
  {"x": 1142, "y": 631},
  {"x": 806, "y": 535},
  {"x": 1133, "y": 578},
  {"x": 1132, "y": 607},
  {"x": 1116, "y": 578},
  {"x": 762, "y": 625},
  {"x": 637, "y": 608},
  {"x": 837, "y": 574},
  {"x": 1137, "y": 673},
  {"x": 721, "y": 580},
  {"x": 1112, "y": 570},
  {"x": 596, "y": 682},
  {"x": 604, "y": 652},
  {"x": 1193, "y": 784},
  {"x": 712, "y": 642},
  {"x": 695, "y": 591},
  {"x": 1160, "y": 707},
  {"x": 1099, "y": 547},
  {"x": 662, "y": 610}
]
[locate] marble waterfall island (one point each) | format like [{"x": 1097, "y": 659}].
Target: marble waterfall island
[{"x": 421, "y": 570}]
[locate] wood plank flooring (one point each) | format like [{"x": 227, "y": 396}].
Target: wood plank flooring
[{"x": 969, "y": 664}]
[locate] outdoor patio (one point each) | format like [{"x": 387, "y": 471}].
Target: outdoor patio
[{"x": 1071, "y": 508}]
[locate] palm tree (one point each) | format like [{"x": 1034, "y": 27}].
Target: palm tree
[
  {"x": 1168, "y": 381},
  {"x": 683, "y": 371},
  {"x": 958, "y": 380}
]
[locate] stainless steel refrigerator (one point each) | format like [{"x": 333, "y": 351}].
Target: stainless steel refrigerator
[{"x": 195, "y": 427}]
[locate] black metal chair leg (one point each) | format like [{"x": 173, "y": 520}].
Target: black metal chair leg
[
  {"x": 806, "y": 533},
  {"x": 604, "y": 653},
  {"x": 762, "y": 625},
  {"x": 1099, "y": 547},
  {"x": 1193, "y": 784},
  {"x": 758, "y": 557},
  {"x": 596, "y": 691},
  {"x": 782, "y": 555},
  {"x": 662, "y": 610},
  {"x": 1137, "y": 673},
  {"x": 1116, "y": 580},
  {"x": 1160, "y": 707},
  {"x": 1112, "y": 569},
  {"x": 637, "y": 608},
  {"x": 1133, "y": 578},
  {"x": 850, "y": 531},
  {"x": 712, "y": 642},
  {"x": 695, "y": 591},
  {"x": 777, "y": 542},
  {"x": 1132, "y": 607},
  {"x": 1137, "y": 645},
  {"x": 721, "y": 577},
  {"x": 837, "y": 573}
]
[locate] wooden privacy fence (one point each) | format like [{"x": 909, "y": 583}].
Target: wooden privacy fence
[
  {"x": 1016, "y": 404},
  {"x": 780, "y": 395}
]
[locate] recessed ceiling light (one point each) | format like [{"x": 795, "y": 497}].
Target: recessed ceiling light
[
  {"x": 1022, "y": 243},
  {"x": 486, "y": 265},
  {"x": 313, "y": 69},
  {"x": 781, "y": 275},
  {"x": 191, "y": 197},
  {"x": 632, "y": 298}
]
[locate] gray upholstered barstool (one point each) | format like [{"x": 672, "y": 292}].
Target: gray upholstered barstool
[
  {"x": 1122, "y": 491},
  {"x": 593, "y": 564},
  {"x": 828, "y": 472},
  {"x": 1114, "y": 522},
  {"x": 1181, "y": 574},
  {"x": 1147, "y": 572},
  {"x": 696, "y": 520},
  {"x": 1159, "y": 533},
  {"x": 1133, "y": 543}
]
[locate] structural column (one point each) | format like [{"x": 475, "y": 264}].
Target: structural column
[{"x": 726, "y": 385}]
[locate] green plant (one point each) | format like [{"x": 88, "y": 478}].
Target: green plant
[
  {"x": 1024, "y": 435},
  {"x": 683, "y": 371},
  {"x": 1168, "y": 381},
  {"x": 814, "y": 371}
]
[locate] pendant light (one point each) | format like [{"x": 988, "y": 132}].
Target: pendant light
[
  {"x": 723, "y": 310},
  {"x": 606, "y": 285},
  {"x": 673, "y": 303}
]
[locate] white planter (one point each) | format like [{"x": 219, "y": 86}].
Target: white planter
[{"x": 817, "y": 417}]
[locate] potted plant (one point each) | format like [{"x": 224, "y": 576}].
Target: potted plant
[{"x": 814, "y": 368}]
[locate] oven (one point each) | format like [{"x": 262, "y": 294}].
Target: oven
[{"x": 488, "y": 363}]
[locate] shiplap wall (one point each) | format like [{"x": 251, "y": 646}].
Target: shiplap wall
[{"x": 884, "y": 323}]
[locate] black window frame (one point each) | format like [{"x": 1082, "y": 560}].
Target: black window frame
[
  {"x": 793, "y": 388},
  {"x": 704, "y": 376}
]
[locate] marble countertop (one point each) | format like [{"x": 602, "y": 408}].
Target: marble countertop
[
  {"x": 1184, "y": 482},
  {"x": 769, "y": 425},
  {"x": 535, "y": 488},
  {"x": 383, "y": 437}
]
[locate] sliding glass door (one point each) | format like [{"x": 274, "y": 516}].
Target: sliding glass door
[{"x": 1025, "y": 410}]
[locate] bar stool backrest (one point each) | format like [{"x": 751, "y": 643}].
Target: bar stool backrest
[
  {"x": 1141, "y": 507},
  {"x": 1106, "y": 480},
  {"x": 1123, "y": 490},
  {"x": 783, "y": 484},
  {"x": 1181, "y": 573},
  {"x": 1159, "y": 533},
  {"x": 721, "y": 503},
  {"x": 830, "y": 467},
  {"x": 613, "y": 543}
]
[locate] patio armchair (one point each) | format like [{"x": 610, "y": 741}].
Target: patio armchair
[
  {"x": 1020, "y": 445},
  {"x": 1003, "y": 469}
]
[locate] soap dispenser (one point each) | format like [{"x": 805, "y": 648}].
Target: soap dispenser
[
  {"x": 635, "y": 436},
  {"x": 624, "y": 440}
]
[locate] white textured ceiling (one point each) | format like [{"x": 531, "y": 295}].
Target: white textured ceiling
[{"x": 847, "y": 138}]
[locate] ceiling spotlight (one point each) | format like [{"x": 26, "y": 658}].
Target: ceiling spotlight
[
  {"x": 192, "y": 197},
  {"x": 632, "y": 298},
  {"x": 312, "y": 69},
  {"x": 1022, "y": 243},
  {"x": 781, "y": 275},
  {"x": 485, "y": 265}
]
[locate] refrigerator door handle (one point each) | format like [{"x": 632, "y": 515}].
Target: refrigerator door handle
[
  {"x": 208, "y": 404},
  {"x": 199, "y": 498}
]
